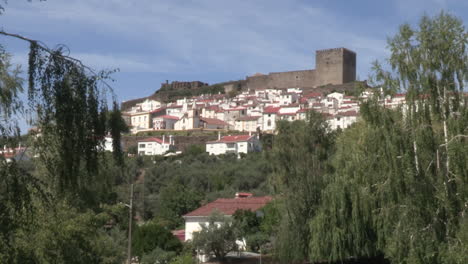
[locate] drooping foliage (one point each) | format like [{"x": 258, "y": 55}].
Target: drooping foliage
[
  {"x": 48, "y": 198},
  {"x": 400, "y": 185},
  {"x": 70, "y": 111},
  {"x": 300, "y": 153}
]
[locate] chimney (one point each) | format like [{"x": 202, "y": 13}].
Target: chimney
[
  {"x": 250, "y": 133},
  {"x": 170, "y": 139},
  {"x": 219, "y": 135},
  {"x": 164, "y": 139}
]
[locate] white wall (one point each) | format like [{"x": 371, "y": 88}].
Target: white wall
[{"x": 153, "y": 148}]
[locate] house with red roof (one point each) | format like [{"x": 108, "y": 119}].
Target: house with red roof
[
  {"x": 155, "y": 146},
  {"x": 164, "y": 122},
  {"x": 213, "y": 123},
  {"x": 343, "y": 120},
  {"x": 233, "y": 144},
  {"x": 243, "y": 201}
]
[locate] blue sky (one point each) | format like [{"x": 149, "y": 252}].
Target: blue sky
[{"x": 151, "y": 41}]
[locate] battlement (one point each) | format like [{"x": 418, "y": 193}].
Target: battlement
[
  {"x": 334, "y": 49},
  {"x": 333, "y": 66}
]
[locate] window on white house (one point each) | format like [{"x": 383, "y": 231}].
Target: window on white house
[{"x": 142, "y": 146}]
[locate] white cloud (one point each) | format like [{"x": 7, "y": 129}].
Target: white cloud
[{"x": 198, "y": 36}]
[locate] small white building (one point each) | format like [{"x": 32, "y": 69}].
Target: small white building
[
  {"x": 234, "y": 144},
  {"x": 248, "y": 123},
  {"x": 270, "y": 115},
  {"x": 165, "y": 122},
  {"x": 243, "y": 201},
  {"x": 108, "y": 144},
  {"x": 343, "y": 120},
  {"x": 155, "y": 146}
]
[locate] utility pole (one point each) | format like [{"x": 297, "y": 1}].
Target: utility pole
[{"x": 130, "y": 217}]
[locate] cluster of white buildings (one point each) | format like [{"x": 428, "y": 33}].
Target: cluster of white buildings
[{"x": 248, "y": 111}]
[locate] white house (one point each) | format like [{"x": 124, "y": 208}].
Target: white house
[
  {"x": 233, "y": 144},
  {"x": 243, "y": 201},
  {"x": 155, "y": 146},
  {"x": 213, "y": 123},
  {"x": 108, "y": 145},
  {"x": 248, "y": 123},
  {"x": 270, "y": 115},
  {"x": 343, "y": 120},
  {"x": 164, "y": 122}
]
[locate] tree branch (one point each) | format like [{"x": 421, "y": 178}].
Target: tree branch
[{"x": 52, "y": 52}]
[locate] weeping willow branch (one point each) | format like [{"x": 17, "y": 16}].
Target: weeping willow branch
[
  {"x": 73, "y": 116},
  {"x": 43, "y": 47}
]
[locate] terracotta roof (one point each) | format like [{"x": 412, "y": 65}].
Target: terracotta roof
[
  {"x": 152, "y": 139},
  {"x": 271, "y": 110},
  {"x": 229, "y": 139},
  {"x": 158, "y": 110},
  {"x": 169, "y": 117},
  {"x": 212, "y": 107},
  {"x": 230, "y": 206},
  {"x": 236, "y": 109},
  {"x": 303, "y": 110},
  {"x": 349, "y": 113},
  {"x": 180, "y": 234},
  {"x": 310, "y": 95},
  {"x": 248, "y": 118},
  {"x": 213, "y": 121}
]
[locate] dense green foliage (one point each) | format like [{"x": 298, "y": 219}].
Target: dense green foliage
[
  {"x": 300, "y": 155},
  {"x": 397, "y": 183},
  {"x": 180, "y": 184},
  {"x": 173, "y": 94},
  {"x": 218, "y": 237},
  {"x": 153, "y": 236}
]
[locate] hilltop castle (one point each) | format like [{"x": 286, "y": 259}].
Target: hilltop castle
[{"x": 333, "y": 66}]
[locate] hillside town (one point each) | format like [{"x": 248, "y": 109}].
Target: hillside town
[{"x": 249, "y": 111}]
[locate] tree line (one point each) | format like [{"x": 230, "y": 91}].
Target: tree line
[{"x": 394, "y": 185}]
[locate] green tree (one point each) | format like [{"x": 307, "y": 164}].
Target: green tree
[
  {"x": 300, "y": 155},
  {"x": 158, "y": 256},
  {"x": 218, "y": 237},
  {"x": 400, "y": 186},
  {"x": 153, "y": 235}
]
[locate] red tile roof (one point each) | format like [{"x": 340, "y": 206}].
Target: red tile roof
[
  {"x": 349, "y": 113},
  {"x": 303, "y": 110},
  {"x": 158, "y": 110},
  {"x": 313, "y": 94},
  {"x": 180, "y": 234},
  {"x": 230, "y": 139},
  {"x": 152, "y": 139},
  {"x": 271, "y": 110},
  {"x": 230, "y": 206},
  {"x": 213, "y": 121}
]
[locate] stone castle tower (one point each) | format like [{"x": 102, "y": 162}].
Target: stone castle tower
[{"x": 333, "y": 66}]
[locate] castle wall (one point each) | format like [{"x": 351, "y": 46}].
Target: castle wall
[{"x": 334, "y": 66}]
